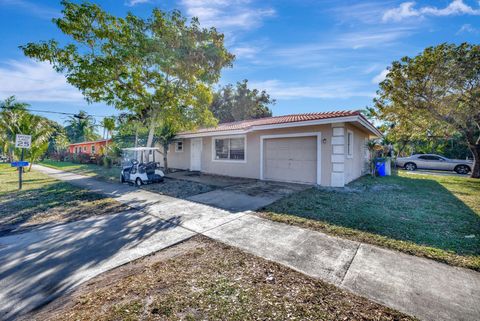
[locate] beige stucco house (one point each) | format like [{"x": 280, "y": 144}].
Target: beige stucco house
[{"x": 327, "y": 148}]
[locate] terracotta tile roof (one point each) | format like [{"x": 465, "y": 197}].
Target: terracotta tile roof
[{"x": 246, "y": 124}]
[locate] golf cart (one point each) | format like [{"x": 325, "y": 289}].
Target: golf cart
[{"x": 139, "y": 166}]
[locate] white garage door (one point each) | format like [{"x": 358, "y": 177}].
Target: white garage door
[{"x": 292, "y": 159}]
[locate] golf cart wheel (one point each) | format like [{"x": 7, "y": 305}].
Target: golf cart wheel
[
  {"x": 462, "y": 169},
  {"x": 138, "y": 182},
  {"x": 122, "y": 179},
  {"x": 410, "y": 166}
]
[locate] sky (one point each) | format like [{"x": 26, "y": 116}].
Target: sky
[{"x": 310, "y": 56}]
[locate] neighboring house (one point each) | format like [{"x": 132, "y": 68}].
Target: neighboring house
[
  {"x": 90, "y": 148},
  {"x": 327, "y": 148}
]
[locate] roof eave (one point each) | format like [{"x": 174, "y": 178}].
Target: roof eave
[{"x": 253, "y": 128}]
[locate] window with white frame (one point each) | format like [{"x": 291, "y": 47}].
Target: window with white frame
[
  {"x": 93, "y": 149},
  {"x": 349, "y": 144},
  {"x": 229, "y": 149},
  {"x": 179, "y": 146}
]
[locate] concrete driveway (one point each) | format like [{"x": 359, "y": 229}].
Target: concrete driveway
[
  {"x": 36, "y": 267},
  {"x": 248, "y": 196}
]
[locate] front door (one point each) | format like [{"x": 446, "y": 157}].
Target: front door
[{"x": 195, "y": 154}]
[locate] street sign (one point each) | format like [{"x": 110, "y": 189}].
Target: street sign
[
  {"x": 23, "y": 141},
  {"x": 19, "y": 164}
]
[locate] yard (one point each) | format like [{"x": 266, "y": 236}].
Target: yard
[
  {"x": 170, "y": 187},
  {"x": 437, "y": 217},
  {"x": 201, "y": 279},
  {"x": 45, "y": 200},
  {"x": 101, "y": 172}
]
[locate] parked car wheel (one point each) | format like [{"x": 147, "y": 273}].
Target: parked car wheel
[
  {"x": 410, "y": 166},
  {"x": 462, "y": 169},
  {"x": 138, "y": 181}
]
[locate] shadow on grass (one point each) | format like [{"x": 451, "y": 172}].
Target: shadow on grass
[
  {"x": 40, "y": 266},
  {"x": 20, "y": 207},
  {"x": 416, "y": 210}
]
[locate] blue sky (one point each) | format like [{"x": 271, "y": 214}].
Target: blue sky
[{"x": 309, "y": 55}]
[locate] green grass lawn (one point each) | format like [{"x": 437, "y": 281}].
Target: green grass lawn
[
  {"x": 110, "y": 174},
  {"x": 431, "y": 216},
  {"x": 45, "y": 200}
]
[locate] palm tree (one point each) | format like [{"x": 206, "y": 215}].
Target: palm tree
[
  {"x": 9, "y": 114},
  {"x": 81, "y": 128},
  {"x": 15, "y": 119},
  {"x": 108, "y": 124}
]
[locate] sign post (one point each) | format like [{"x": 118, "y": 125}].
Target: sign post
[{"x": 22, "y": 141}]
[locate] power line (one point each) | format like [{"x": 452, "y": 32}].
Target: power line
[{"x": 55, "y": 112}]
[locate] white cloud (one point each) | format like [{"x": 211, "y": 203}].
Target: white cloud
[
  {"x": 408, "y": 10},
  {"x": 32, "y": 8},
  {"x": 132, "y": 3},
  {"x": 227, "y": 15},
  {"x": 405, "y": 10},
  {"x": 468, "y": 28},
  {"x": 330, "y": 90},
  {"x": 380, "y": 77},
  {"x": 322, "y": 52},
  {"x": 248, "y": 52},
  {"x": 35, "y": 81},
  {"x": 364, "y": 11}
]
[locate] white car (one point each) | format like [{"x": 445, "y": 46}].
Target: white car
[{"x": 436, "y": 162}]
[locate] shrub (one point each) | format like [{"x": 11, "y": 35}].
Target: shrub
[{"x": 107, "y": 162}]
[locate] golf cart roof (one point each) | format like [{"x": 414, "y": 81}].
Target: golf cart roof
[{"x": 139, "y": 149}]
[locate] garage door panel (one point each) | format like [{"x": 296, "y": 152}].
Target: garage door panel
[{"x": 291, "y": 159}]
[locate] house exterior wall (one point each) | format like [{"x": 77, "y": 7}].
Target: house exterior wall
[
  {"x": 331, "y": 162},
  {"x": 88, "y": 146},
  {"x": 355, "y": 166},
  {"x": 176, "y": 159}
]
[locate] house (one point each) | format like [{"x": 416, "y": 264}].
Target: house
[
  {"x": 327, "y": 148},
  {"x": 91, "y": 148}
]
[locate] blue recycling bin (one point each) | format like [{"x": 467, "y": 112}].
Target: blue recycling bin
[{"x": 380, "y": 167}]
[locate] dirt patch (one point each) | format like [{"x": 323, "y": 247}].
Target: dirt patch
[
  {"x": 268, "y": 189},
  {"x": 218, "y": 181},
  {"x": 179, "y": 188},
  {"x": 204, "y": 280}
]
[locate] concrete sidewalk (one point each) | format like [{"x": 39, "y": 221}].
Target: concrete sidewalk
[{"x": 420, "y": 287}]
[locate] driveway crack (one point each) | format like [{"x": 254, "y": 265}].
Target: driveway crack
[{"x": 350, "y": 263}]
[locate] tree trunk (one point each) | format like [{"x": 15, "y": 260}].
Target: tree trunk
[
  {"x": 136, "y": 136},
  {"x": 165, "y": 159},
  {"x": 151, "y": 131},
  {"x": 475, "y": 149}
]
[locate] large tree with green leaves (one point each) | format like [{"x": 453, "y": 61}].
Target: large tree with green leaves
[
  {"x": 142, "y": 65},
  {"x": 240, "y": 102},
  {"x": 436, "y": 93}
]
